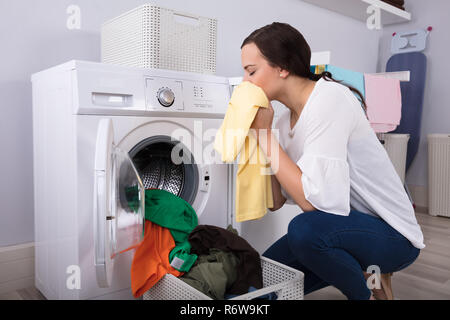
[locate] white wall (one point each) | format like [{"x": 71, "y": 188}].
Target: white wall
[
  {"x": 33, "y": 36},
  {"x": 436, "y": 108}
]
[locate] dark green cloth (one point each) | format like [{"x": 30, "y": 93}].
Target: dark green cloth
[
  {"x": 176, "y": 214},
  {"x": 249, "y": 271},
  {"x": 213, "y": 273}
]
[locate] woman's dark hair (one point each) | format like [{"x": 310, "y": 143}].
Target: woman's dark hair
[{"x": 284, "y": 46}]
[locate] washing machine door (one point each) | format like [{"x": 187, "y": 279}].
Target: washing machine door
[{"x": 119, "y": 207}]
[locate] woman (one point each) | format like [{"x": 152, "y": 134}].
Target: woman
[{"x": 356, "y": 214}]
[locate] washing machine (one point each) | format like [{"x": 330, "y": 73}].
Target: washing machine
[{"x": 102, "y": 135}]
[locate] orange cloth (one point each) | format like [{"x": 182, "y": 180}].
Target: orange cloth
[{"x": 151, "y": 259}]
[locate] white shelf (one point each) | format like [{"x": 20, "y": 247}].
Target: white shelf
[{"x": 357, "y": 9}]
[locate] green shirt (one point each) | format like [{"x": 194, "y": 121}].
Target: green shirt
[{"x": 176, "y": 214}]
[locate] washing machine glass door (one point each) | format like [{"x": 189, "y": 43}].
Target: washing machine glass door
[{"x": 119, "y": 206}]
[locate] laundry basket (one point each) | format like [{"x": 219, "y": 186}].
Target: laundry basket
[
  {"x": 439, "y": 174},
  {"x": 396, "y": 146},
  {"x": 150, "y": 36},
  {"x": 285, "y": 281}
]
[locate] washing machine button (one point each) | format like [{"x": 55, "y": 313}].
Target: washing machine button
[{"x": 166, "y": 97}]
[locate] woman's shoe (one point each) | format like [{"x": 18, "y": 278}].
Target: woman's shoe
[{"x": 386, "y": 285}]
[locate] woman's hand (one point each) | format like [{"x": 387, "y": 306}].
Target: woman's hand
[{"x": 263, "y": 118}]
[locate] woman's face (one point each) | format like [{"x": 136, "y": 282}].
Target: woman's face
[{"x": 258, "y": 71}]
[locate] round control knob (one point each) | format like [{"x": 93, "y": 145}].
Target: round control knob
[{"x": 166, "y": 97}]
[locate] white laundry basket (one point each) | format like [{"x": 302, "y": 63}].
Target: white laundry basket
[
  {"x": 154, "y": 37},
  {"x": 285, "y": 281},
  {"x": 396, "y": 146},
  {"x": 439, "y": 174}
]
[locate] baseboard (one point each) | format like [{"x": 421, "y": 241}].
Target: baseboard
[{"x": 16, "y": 267}]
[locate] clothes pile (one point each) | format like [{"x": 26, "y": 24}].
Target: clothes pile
[
  {"x": 215, "y": 261},
  {"x": 232, "y": 265}
]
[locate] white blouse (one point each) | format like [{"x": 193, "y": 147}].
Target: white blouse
[{"x": 344, "y": 164}]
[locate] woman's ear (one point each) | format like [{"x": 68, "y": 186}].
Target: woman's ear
[{"x": 283, "y": 73}]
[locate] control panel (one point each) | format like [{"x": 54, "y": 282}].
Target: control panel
[
  {"x": 118, "y": 90},
  {"x": 164, "y": 94}
]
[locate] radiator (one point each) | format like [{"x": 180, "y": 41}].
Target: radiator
[{"x": 439, "y": 174}]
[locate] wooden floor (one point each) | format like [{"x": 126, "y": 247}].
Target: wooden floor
[
  {"x": 23, "y": 294},
  {"x": 427, "y": 278}
]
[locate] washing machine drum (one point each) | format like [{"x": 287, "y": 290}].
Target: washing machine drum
[{"x": 167, "y": 165}]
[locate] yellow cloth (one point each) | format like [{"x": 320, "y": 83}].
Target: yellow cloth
[{"x": 253, "y": 187}]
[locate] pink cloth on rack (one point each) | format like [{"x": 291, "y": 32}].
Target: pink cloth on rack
[
  {"x": 384, "y": 102},
  {"x": 383, "y": 128}
]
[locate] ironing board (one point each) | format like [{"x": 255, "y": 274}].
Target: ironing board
[{"x": 412, "y": 97}]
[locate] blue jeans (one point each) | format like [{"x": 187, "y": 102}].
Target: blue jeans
[{"x": 334, "y": 250}]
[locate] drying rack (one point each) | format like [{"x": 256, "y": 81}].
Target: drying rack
[{"x": 324, "y": 58}]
